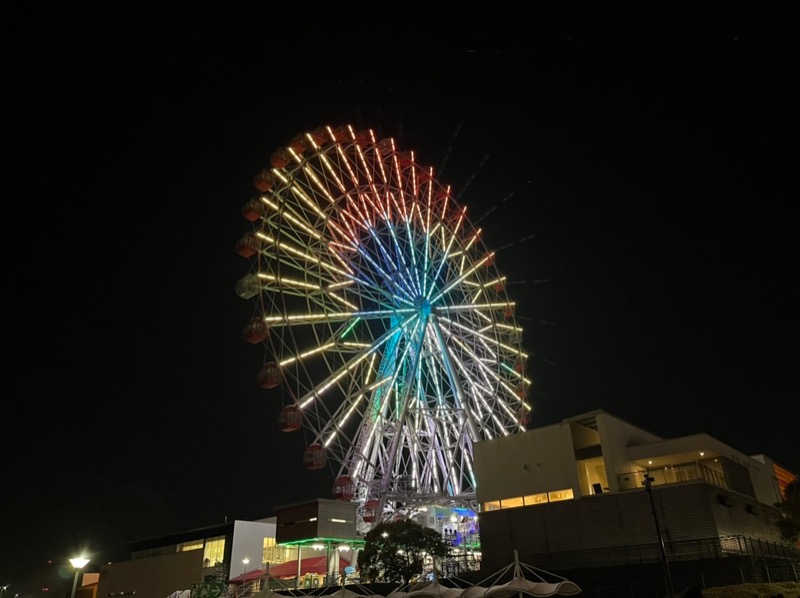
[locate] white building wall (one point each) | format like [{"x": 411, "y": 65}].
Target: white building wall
[
  {"x": 773, "y": 493},
  {"x": 539, "y": 460},
  {"x": 764, "y": 482},
  {"x": 616, "y": 436},
  {"x": 248, "y": 542}
]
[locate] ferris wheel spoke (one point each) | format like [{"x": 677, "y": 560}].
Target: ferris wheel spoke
[
  {"x": 402, "y": 271},
  {"x": 283, "y": 210},
  {"x": 490, "y": 341},
  {"x": 315, "y": 395},
  {"x": 312, "y": 291},
  {"x": 479, "y": 392},
  {"x": 411, "y": 236},
  {"x": 355, "y": 406},
  {"x": 300, "y": 259},
  {"x": 334, "y": 317},
  {"x": 448, "y": 245},
  {"x": 458, "y": 280},
  {"x": 387, "y": 285},
  {"x": 480, "y": 365},
  {"x": 402, "y": 265}
]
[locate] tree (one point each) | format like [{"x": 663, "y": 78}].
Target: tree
[
  {"x": 789, "y": 524},
  {"x": 399, "y": 550}
]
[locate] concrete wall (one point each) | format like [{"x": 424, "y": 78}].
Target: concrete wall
[
  {"x": 155, "y": 577},
  {"x": 532, "y": 462},
  {"x": 686, "y": 512}
]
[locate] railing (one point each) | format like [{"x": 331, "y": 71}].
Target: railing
[
  {"x": 657, "y": 588},
  {"x": 675, "y": 474},
  {"x": 688, "y": 550}
]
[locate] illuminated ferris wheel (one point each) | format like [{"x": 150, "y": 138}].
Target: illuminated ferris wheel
[{"x": 387, "y": 329}]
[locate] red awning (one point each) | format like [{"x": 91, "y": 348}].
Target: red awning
[{"x": 314, "y": 564}]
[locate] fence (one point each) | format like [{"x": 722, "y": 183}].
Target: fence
[{"x": 687, "y": 550}]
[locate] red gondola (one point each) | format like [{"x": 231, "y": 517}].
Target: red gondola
[
  {"x": 256, "y": 331},
  {"x": 269, "y": 376},
  {"x": 297, "y": 145},
  {"x": 341, "y": 134},
  {"x": 370, "y": 510},
  {"x": 248, "y": 245},
  {"x": 343, "y": 488},
  {"x": 264, "y": 180},
  {"x": 315, "y": 457},
  {"x": 290, "y": 419},
  {"x": 254, "y": 209},
  {"x": 280, "y": 158},
  {"x": 318, "y": 137}
]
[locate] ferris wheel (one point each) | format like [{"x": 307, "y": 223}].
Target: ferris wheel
[{"x": 387, "y": 330}]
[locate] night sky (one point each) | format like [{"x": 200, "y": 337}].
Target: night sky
[{"x": 631, "y": 170}]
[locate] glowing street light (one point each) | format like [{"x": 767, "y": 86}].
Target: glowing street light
[
  {"x": 3, "y": 589},
  {"x": 245, "y": 560},
  {"x": 79, "y": 563}
]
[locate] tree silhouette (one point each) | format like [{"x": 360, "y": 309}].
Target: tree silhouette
[
  {"x": 789, "y": 524},
  {"x": 400, "y": 550}
]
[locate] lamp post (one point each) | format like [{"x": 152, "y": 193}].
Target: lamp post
[
  {"x": 79, "y": 563},
  {"x": 3, "y": 589},
  {"x": 246, "y": 561},
  {"x": 647, "y": 482}
]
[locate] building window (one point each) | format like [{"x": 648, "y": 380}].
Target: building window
[
  {"x": 187, "y": 546},
  {"x": 274, "y": 554},
  {"x": 214, "y": 551},
  {"x": 510, "y": 503},
  {"x": 530, "y": 499},
  {"x": 560, "y": 495},
  {"x": 536, "y": 499}
]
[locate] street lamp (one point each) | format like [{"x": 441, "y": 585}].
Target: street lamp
[
  {"x": 647, "y": 484},
  {"x": 3, "y": 589},
  {"x": 246, "y": 561},
  {"x": 79, "y": 563}
]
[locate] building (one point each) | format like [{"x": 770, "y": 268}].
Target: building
[
  {"x": 313, "y": 542},
  {"x": 596, "y": 490},
  {"x": 159, "y": 567},
  {"x": 590, "y": 491}
]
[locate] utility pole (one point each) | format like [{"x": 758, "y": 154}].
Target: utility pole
[{"x": 647, "y": 483}]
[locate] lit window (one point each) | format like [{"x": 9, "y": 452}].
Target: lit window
[
  {"x": 536, "y": 499},
  {"x": 493, "y": 505},
  {"x": 560, "y": 495},
  {"x": 510, "y": 503},
  {"x": 214, "y": 551}
]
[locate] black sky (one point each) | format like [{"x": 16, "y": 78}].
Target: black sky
[{"x": 634, "y": 171}]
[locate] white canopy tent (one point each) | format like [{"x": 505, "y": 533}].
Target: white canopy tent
[{"x": 516, "y": 579}]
